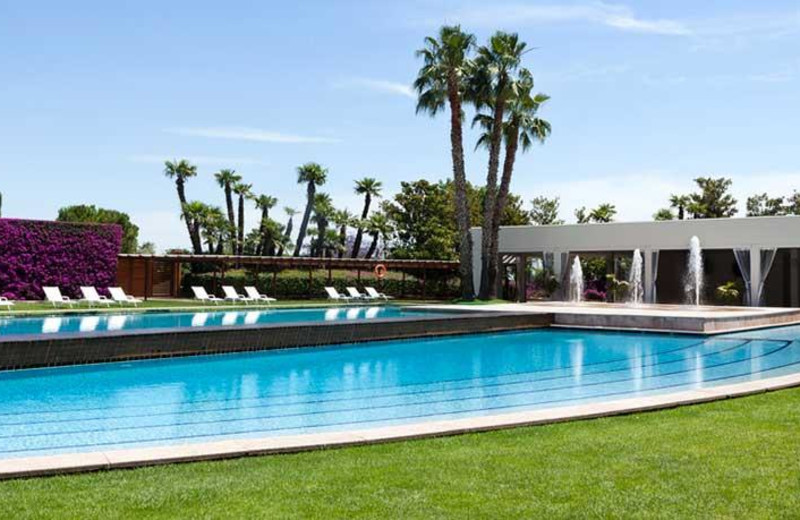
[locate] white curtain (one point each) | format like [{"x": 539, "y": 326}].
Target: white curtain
[
  {"x": 767, "y": 259},
  {"x": 653, "y": 276},
  {"x": 743, "y": 261}
]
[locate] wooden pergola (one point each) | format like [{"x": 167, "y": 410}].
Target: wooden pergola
[{"x": 160, "y": 275}]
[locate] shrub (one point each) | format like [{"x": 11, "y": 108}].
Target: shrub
[
  {"x": 38, "y": 253},
  {"x": 295, "y": 284}
]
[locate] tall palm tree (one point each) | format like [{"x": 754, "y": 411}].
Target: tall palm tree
[
  {"x": 243, "y": 191},
  {"x": 521, "y": 127},
  {"x": 323, "y": 212},
  {"x": 227, "y": 179},
  {"x": 491, "y": 86},
  {"x": 264, "y": 203},
  {"x": 443, "y": 80},
  {"x": 213, "y": 226},
  {"x": 680, "y": 202},
  {"x": 287, "y": 234},
  {"x": 344, "y": 219},
  {"x": 380, "y": 229},
  {"x": 369, "y": 188},
  {"x": 312, "y": 175},
  {"x": 181, "y": 171}
]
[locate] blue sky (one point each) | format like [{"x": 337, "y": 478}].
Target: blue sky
[{"x": 645, "y": 96}]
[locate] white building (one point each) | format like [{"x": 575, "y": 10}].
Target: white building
[{"x": 762, "y": 253}]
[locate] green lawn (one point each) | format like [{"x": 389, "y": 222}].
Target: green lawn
[{"x": 732, "y": 459}]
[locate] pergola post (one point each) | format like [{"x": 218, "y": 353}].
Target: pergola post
[{"x": 522, "y": 275}]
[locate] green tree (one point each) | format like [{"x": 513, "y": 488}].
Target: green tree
[
  {"x": 379, "y": 229},
  {"x": 793, "y": 204},
  {"x": 663, "y": 214},
  {"x": 344, "y": 219},
  {"x": 680, "y": 203},
  {"x": 764, "y": 206},
  {"x": 521, "y": 128},
  {"x": 227, "y": 179},
  {"x": 287, "y": 234},
  {"x": 93, "y": 214},
  {"x": 181, "y": 171},
  {"x": 323, "y": 212},
  {"x": 422, "y": 214},
  {"x": 601, "y": 214},
  {"x": 713, "y": 200},
  {"x": 147, "y": 248},
  {"x": 582, "y": 216},
  {"x": 244, "y": 192},
  {"x": 544, "y": 211},
  {"x": 492, "y": 86},
  {"x": 370, "y": 188},
  {"x": 265, "y": 203},
  {"x": 193, "y": 213},
  {"x": 214, "y": 228},
  {"x": 443, "y": 80},
  {"x": 312, "y": 175}
]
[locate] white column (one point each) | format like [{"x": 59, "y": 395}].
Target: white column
[
  {"x": 558, "y": 272},
  {"x": 755, "y": 275},
  {"x": 648, "y": 275},
  {"x": 476, "y": 259}
]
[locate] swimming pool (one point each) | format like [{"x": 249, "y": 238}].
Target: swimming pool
[
  {"x": 346, "y": 387},
  {"x": 12, "y": 326}
]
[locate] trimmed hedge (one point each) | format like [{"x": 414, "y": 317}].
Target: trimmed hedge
[
  {"x": 38, "y": 253},
  {"x": 295, "y": 285}
]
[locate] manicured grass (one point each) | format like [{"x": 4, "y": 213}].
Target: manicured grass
[
  {"x": 21, "y": 308},
  {"x": 730, "y": 459}
]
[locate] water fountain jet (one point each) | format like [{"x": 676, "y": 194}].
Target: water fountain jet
[
  {"x": 693, "y": 282},
  {"x": 636, "y": 295},
  {"x": 576, "y": 281}
]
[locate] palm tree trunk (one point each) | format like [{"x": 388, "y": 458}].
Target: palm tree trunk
[
  {"x": 231, "y": 217},
  {"x": 194, "y": 233},
  {"x": 373, "y": 246},
  {"x": 360, "y": 231},
  {"x": 240, "y": 230},
  {"x": 342, "y": 240},
  {"x": 287, "y": 233},
  {"x": 301, "y": 235},
  {"x": 486, "y": 290},
  {"x": 262, "y": 230},
  {"x": 502, "y": 196},
  {"x": 460, "y": 191}
]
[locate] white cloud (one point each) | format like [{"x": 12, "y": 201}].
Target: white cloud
[
  {"x": 377, "y": 85},
  {"x": 610, "y": 15},
  {"x": 637, "y": 204},
  {"x": 200, "y": 159},
  {"x": 247, "y": 134}
]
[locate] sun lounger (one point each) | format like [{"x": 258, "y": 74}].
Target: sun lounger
[
  {"x": 376, "y": 295},
  {"x": 253, "y": 293},
  {"x": 91, "y": 296},
  {"x": 5, "y": 301},
  {"x": 200, "y": 294},
  {"x": 54, "y": 296},
  {"x": 334, "y": 295},
  {"x": 354, "y": 294},
  {"x": 233, "y": 296},
  {"x": 119, "y": 296}
]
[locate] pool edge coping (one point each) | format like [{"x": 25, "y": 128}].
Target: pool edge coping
[{"x": 236, "y": 448}]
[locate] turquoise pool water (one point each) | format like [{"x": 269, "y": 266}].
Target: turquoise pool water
[
  {"x": 201, "y": 399},
  {"x": 167, "y": 320}
]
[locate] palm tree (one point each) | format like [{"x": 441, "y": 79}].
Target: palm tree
[
  {"x": 680, "y": 202},
  {"x": 603, "y": 213},
  {"x": 244, "y": 191},
  {"x": 213, "y": 226},
  {"x": 380, "y": 229},
  {"x": 492, "y": 85},
  {"x": 369, "y": 188},
  {"x": 312, "y": 175},
  {"x": 264, "y": 203},
  {"x": 181, "y": 171},
  {"x": 522, "y": 127},
  {"x": 193, "y": 213},
  {"x": 226, "y": 180},
  {"x": 443, "y": 79},
  {"x": 343, "y": 218},
  {"x": 290, "y": 212},
  {"x": 323, "y": 211}
]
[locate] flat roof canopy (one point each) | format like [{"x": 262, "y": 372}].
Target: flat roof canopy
[{"x": 726, "y": 233}]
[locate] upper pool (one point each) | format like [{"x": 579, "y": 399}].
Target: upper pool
[{"x": 12, "y": 326}]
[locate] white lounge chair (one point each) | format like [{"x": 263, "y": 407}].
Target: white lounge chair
[
  {"x": 253, "y": 293},
  {"x": 334, "y": 295},
  {"x": 376, "y": 295},
  {"x": 232, "y": 296},
  {"x": 354, "y": 294},
  {"x": 91, "y": 296},
  {"x": 118, "y": 295},
  {"x": 5, "y": 301},
  {"x": 200, "y": 294},
  {"x": 54, "y": 296}
]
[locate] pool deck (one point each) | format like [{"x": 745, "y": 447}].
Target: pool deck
[
  {"x": 139, "y": 457},
  {"x": 656, "y": 318}
]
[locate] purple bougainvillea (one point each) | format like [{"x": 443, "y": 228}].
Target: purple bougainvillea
[{"x": 38, "y": 253}]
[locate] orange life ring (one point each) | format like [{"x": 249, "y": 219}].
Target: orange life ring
[{"x": 380, "y": 271}]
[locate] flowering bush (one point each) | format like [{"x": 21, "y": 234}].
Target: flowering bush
[{"x": 38, "y": 253}]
